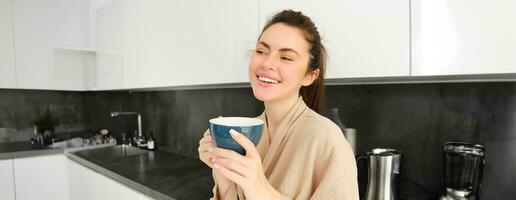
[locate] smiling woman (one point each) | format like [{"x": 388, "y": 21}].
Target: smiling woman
[
  {"x": 301, "y": 154},
  {"x": 290, "y": 42}
]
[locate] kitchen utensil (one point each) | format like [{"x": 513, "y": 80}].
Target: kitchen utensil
[
  {"x": 463, "y": 169},
  {"x": 383, "y": 174}
]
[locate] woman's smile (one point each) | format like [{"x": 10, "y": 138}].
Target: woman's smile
[{"x": 265, "y": 80}]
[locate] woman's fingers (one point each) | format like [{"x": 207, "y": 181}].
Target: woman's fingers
[
  {"x": 249, "y": 147},
  {"x": 205, "y": 139},
  {"x": 231, "y": 175},
  {"x": 207, "y": 132},
  {"x": 207, "y": 158},
  {"x": 231, "y": 165},
  {"x": 205, "y": 147},
  {"x": 231, "y": 155}
]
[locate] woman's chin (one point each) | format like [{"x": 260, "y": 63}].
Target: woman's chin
[{"x": 262, "y": 95}]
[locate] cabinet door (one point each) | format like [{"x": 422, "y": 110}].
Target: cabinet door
[
  {"x": 150, "y": 55},
  {"x": 367, "y": 38},
  {"x": 42, "y": 177},
  {"x": 7, "y": 70},
  {"x": 42, "y": 29},
  {"x": 111, "y": 189},
  {"x": 81, "y": 182},
  {"x": 463, "y": 37},
  {"x": 110, "y": 43},
  {"x": 214, "y": 40},
  {"x": 89, "y": 185},
  {"x": 7, "y": 180}
]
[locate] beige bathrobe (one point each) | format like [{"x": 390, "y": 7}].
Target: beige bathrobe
[{"x": 307, "y": 158}]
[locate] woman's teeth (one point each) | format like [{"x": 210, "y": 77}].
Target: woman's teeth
[{"x": 268, "y": 80}]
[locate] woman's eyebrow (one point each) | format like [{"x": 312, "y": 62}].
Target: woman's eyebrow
[
  {"x": 289, "y": 49},
  {"x": 282, "y": 49},
  {"x": 264, "y": 44}
]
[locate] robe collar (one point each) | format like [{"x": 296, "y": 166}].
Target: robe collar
[{"x": 297, "y": 110}]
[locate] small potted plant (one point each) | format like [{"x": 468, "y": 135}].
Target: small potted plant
[{"x": 45, "y": 124}]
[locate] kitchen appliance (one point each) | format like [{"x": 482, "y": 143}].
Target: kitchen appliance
[
  {"x": 383, "y": 174},
  {"x": 463, "y": 169}
]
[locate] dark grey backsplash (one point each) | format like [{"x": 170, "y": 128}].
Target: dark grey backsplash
[
  {"x": 414, "y": 118},
  {"x": 177, "y": 118},
  {"x": 418, "y": 118},
  {"x": 19, "y": 108}
]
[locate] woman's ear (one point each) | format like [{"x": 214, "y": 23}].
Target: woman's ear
[{"x": 310, "y": 77}]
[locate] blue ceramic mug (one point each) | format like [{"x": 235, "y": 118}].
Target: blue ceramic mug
[{"x": 252, "y": 128}]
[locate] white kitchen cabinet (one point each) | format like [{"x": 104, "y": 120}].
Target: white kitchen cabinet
[
  {"x": 111, "y": 189},
  {"x": 41, "y": 177},
  {"x": 136, "y": 44},
  {"x": 110, "y": 43},
  {"x": 44, "y": 32},
  {"x": 150, "y": 51},
  {"x": 82, "y": 182},
  {"x": 7, "y": 67},
  {"x": 89, "y": 185},
  {"x": 215, "y": 39},
  {"x": 7, "y": 180},
  {"x": 174, "y": 43},
  {"x": 368, "y": 38},
  {"x": 463, "y": 37}
]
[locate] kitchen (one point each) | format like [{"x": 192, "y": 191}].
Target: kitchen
[{"x": 408, "y": 75}]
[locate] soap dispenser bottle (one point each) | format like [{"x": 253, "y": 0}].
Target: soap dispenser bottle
[{"x": 150, "y": 142}]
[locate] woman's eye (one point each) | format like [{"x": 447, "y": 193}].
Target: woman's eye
[
  {"x": 286, "y": 58},
  {"x": 258, "y": 51}
]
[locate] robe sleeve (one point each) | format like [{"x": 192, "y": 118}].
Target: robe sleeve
[
  {"x": 231, "y": 194},
  {"x": 338, "y": 175}
]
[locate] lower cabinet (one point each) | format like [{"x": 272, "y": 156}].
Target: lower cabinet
[
  {"x": 41, "y": 177},
  {"x": 89, "y": 185},
  {"x": 82, "y": 182},
  {"x": 55, "y": 177},
  {"x": 6, "y": 180}
]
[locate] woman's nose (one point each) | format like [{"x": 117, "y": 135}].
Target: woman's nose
[{"x": 269, "y": 63}]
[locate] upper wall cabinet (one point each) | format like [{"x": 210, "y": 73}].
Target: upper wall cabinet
[
  {"x": 150, "y": 52},
  {"x": 463, "y": 37},
  {"x": 7, "y": 68},
  {"x": 110, "y": 43},
  {"x": 364, "y": 38},
  {"x": 215, "y": 39},
  {"x": 136, "y": 44},
  {"x": 44, "y": 32}
]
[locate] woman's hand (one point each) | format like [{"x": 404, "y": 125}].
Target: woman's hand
[
  {"x": 246, "y": 171},
  {"x": 206, "y": 147}
]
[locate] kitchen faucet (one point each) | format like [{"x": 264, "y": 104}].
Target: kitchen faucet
[{"x": 138, "y": 138}]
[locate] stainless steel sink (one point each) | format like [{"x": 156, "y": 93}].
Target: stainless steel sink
[{"x": 110, "y": 153}]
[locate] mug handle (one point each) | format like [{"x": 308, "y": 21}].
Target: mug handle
[
  {"x": 362, "y": 156},
  {"x": 358, "y": 158},
  {"x": 481, "y": 177}
]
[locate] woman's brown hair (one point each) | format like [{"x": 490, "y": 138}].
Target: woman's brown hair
[{"x": 313, "y": 94}]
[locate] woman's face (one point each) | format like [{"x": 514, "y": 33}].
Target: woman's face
[{"x": 278, "y": 67}]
